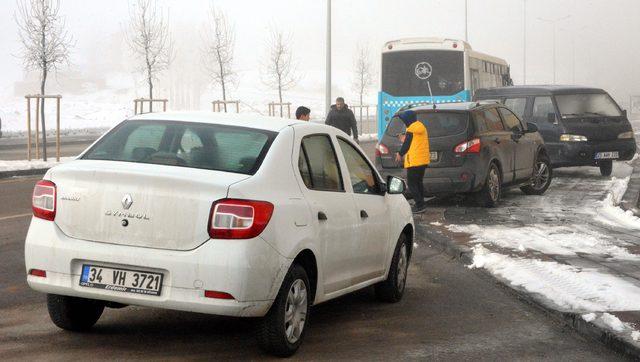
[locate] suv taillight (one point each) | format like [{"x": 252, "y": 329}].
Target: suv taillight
[
  {"x": 381, "y": 149},
  {"x": 43, "y": 201},
  {"x": 472, "y": 146},
  {"x": 238, "y": 219}
]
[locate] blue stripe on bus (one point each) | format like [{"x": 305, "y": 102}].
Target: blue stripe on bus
[{"x": 388, "y": 105}]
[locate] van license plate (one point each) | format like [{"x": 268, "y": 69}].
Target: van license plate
[
  {"x": 433, "y": 156},
  {"x": 121, "y": 280},
  {"x": 607, "y": 155}
]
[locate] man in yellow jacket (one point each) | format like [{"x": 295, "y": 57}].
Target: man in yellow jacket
[{"x": 415, "y": 150}]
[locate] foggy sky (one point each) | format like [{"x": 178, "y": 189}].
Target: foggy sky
[{"x": 601, "y": 34}]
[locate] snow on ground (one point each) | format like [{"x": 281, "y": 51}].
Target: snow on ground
[
  {"x": 570, "y": 288},
  {"x": 28, "y": 165},
  {"x": 610, "y": 213}
]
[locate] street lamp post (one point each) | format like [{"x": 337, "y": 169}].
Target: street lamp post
[
  {"x": 328, "y": 51},
  {"x": 524, "y": 42},
  {"x": 554, "y": 22},
  {"x": 466, "y": 21}
]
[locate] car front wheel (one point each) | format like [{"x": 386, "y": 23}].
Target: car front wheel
[
  {"x": 392, "y": 289},
  {"x": 542, "y": 174},
  {"x": 72, "y": 313},
  {"x": 281, "y": 331}
]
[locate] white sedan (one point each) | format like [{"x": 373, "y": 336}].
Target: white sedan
[{"x": 236, "y": 215}]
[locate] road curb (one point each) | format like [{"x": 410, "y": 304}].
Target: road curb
[
  {"x": 631, "y": 198},
  {"x": 18, "y": 173},
  {"x": 464, "y": 254}
]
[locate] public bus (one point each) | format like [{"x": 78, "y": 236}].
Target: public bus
[{"x": 433, "y": 70}]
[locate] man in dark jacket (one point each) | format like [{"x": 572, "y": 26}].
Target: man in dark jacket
[{"x": 341, "y": 117}]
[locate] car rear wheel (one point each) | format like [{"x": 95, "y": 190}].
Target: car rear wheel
[
  {"x": 392, "y": 289},
  {"x": 542, "y": 175},
  {"x": 281, "y": 331},
  {"x": 72, "y": 313},
  {"x": 491, "y": 192},
  {"x": 606, "y": 167}
]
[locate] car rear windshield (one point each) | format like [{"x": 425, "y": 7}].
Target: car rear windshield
[
  {"x": 587, "y": 105},
  {"x": 195, "y": 145},
  {"x": 438, "y": 124}
]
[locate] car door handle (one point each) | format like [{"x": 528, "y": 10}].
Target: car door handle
[
  {"x": 322, "y": 215},
  {"x": 363, "y": 214}
]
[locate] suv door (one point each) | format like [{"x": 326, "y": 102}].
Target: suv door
[
  {"x": 333, "y": 210},
  {"x": 524, "y": 156},
  {"x": 499, "y": 140},
  {"x": 373, "y": 228}
]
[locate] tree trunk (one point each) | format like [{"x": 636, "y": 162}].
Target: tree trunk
[
  {"x": 224, "y": 93},
  {"x": 42, "y": 122},
  {"x": 280, "y": 94},
  {"x": 150, "y": 94}
]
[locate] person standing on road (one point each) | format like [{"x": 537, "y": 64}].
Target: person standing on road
[
  {"x": 415, "y": 150},
  {"x": 303, "y": 113},
  {"x": 341, "y": 117}
]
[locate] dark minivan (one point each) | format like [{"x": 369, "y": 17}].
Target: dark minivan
[
  {"x": 581, "y": 126},
  {"x": 477, "y": 147}
]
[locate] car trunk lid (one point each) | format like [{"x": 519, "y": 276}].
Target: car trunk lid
[{"x": 135, "y": 204}]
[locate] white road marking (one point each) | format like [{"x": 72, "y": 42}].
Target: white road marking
[{"x": 14, "y": 216}]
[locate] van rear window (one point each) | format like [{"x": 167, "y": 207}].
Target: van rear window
[
  {"x": 438, "y": 124},
  {"x": 195, "y": 145}
]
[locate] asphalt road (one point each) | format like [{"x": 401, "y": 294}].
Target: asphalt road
[{"x": 449, "y": 313}]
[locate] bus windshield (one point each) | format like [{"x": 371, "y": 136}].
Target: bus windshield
[{"x": 409, "y": 73}]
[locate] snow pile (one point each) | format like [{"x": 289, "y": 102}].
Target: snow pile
[
  {"x": 555, "y": 240},
  {"x": 614, "y": 323},
  {"x": 568, "y": 288},
  {"x": 29, "y": 165},
  {"x": 610, "y": 213}
]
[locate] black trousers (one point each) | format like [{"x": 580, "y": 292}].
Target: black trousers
[{"x": 415, "y": 176}]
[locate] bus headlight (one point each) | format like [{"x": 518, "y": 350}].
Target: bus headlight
[
  {"x": 572, "y": 138},
  {"x": 625, "y": 135}
]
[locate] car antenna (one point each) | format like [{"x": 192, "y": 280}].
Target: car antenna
[{"x": 431, "y": 94}]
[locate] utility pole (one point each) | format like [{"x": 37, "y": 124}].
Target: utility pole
[
  {"x": 466, "y": 21},
  {"x": 524, "y": 42},
  {"x": 554, "y": 22},
  {"x": 328, "y": 51}
]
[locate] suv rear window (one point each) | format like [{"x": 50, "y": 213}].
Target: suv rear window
[
  {"x": 195, "y": 145},
  {"x": 438, "y": 124}
]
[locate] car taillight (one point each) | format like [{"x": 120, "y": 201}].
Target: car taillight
[
  {"x": 238, "y": 219},
  {"x": 43, "y": 202},
  {"x": 217, "y": 295},
  {"x": 381, "y": 149},
  {"x": 472, "y": 146}
]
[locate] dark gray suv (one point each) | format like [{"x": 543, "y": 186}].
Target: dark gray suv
[{"x": 475, "y": 148}]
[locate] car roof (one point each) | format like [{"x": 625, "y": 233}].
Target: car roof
[
  {"x": 536, "y": 90},
  {"x": 249, "y": 120}
]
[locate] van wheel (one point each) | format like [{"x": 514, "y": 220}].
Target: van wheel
[
  {"x": 606, "y": 167},
  {"x": 542, "y": 175},
  {"x": 281, "y": 331},
  {"x": 491, "y": 192},
  {"x": 73, "y": 314},
  {"x": 392, "y": 289}
]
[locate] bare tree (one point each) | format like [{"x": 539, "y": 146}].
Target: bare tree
[
  {"x": 362, "y": 72},
  {"x": 279, "y": 68},
  {"x": 150, "y": 40},
  {"x": 218, "y": 52},
  {"x": 45, "y": 44}
]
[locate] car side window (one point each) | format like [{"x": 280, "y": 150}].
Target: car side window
[
  {"x": 318, "y": 164},
  {"x": 511, "y": 121},
  {"x": 362, "y": 177},
  {"x": 542, "y": 106},
  {"x": 494, "y": 123},
  {"x": 517, "y": 105},
  {"x": 480, "y": 122}
]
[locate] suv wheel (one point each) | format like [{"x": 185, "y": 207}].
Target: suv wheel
[
  {"x": 542, "y": 174},
  {"x": 606, "y": 167},
  {"x": 490, "y": 194},
  {"x": 281, "y": 331},
  {"x": 72, "y": 313},
  {"x": 392, "y": 289}
]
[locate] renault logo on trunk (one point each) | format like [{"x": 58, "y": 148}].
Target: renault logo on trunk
[{"x": 127, "y": 201}]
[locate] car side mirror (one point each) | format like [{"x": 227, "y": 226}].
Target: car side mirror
[
  {"x": 624, "y": 113},
  {"x": 395, "y": 185},
  {"x": 551, "y": 117},
  {"x": 531, "y": 127}
]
